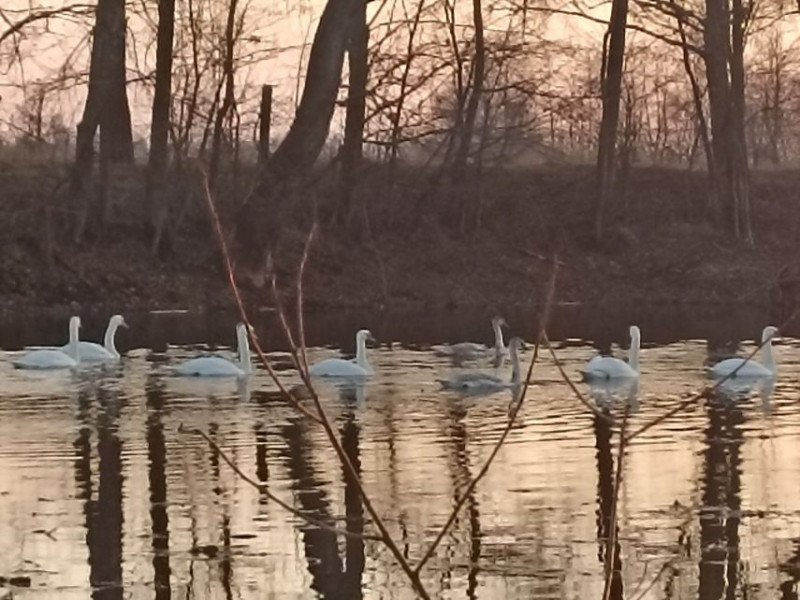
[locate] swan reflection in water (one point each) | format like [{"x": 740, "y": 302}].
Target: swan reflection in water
[
  {"x": 742, "y": 388},
  {"x": 606, "y": 392}
]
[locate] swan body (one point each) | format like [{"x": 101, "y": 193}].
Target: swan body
[
  {"x": 476, "y": 383},
  {"x": 340, "y": 367},
  {"x": 216, "y": 366},
  {"x": 750, "y": 368},
  {"x": 53, "y": 358},
  {"x": 607, "y": 367},
  {"x": 471, "y": 350},
  {"x": 92, "y": 352}
]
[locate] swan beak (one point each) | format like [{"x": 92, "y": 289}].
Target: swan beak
[
  {"x": 123, "y": 324},
  {"x": 371, "y": 338}
]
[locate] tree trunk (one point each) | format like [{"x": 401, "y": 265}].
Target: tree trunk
[
  {"x": 697, "y": 99},
  {"x": 106, "y": 108},
  {"x": 724, "y": 58},
  {"x": 264, "y": 125},
  {"x": 471, "y": 111},
  {"x": 352, "y": 147},
  {"x": 612, "y": 90},
  {"x": 740, "y": 171},
  {"x": 157, "y": 210},
  {"x": 228, "y": 99},
  {"x": 307, "y": 135}
]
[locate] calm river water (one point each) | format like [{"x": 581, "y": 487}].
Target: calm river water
[{"x": 102, "y": 496}]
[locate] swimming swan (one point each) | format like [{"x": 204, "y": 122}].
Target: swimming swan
[
  {"x": 476, "y": 383},
  {"x": 91, "y": 352},
  {"x": 750, "y": 368},
  {"x": 470, "y": 350},
  {"x": 216, "y": 366},
  {"x": 340, "y": 367},
  {"x": 607, "y": 367},
  {"x": 53, "y": 358}
]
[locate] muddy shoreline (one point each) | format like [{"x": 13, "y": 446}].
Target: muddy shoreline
[{"x": 659, "y": 250}]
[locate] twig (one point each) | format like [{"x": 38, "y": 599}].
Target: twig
[
  {"x": 321, "y": 417},
  {"x": 300, "y": 272},
  {"x": 573, "y": 387},
  {"x": 509, "y": 425},
  {"x": 240, "y": 304},
  {"x": 263, "y": 489}
]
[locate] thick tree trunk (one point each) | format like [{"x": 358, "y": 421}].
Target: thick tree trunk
[
  {"x": 740, "y": 172},
  {"x": 307, "y": 135},
  {"x": 106, "y": 108},
  {"x": 352, "y": 146},
  {"x": 724, "y": 58},
  {"x": 157, "y": 209},
  {"x": 612, "y": 90}
]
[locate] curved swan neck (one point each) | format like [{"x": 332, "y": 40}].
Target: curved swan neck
[
  {"x": 498, "y": 335},
  {"x": 108, "y": 341},
  {"x": 633, "y": 353},
  {"x": 244, "y": 350},
  {"x": 769, "y": 357}
]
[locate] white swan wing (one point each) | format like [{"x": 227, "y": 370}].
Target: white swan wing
[
  {"x": 337, "y": 367},
  {"x": 606, "y": 367},
  {"x": 90, "y": 352},
  {"x": 462, "y": 350},
  {"x": 467, "y": 382},
  {"x": 749, "y": 369},
  {"x": 45, "y": 359},
  {"x": 208, "y": 366}
]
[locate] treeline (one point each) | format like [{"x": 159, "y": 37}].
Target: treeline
[{"x": 452, "y": 86}]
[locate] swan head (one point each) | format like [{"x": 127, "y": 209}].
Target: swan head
[
  {"x": 118, "y": 321},
  {"x": 364, "y": 335},
  {"x": 516, "y": 344},
  {"x": 635, "y": 333},
  {"x": 499, "y": 322},
  {"x": 770, "y": 331},
  {"x": 74, "y": 323}
]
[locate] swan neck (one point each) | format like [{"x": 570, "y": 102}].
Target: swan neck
[
  {"x": 73, "y": 341},
  {"x": 515, "y": 375},
  {"x": 361, "y": 353},
  {"x": 108, "y": 341},
  {"x": 244, "y": 352},
  {"x": 769, "y": 357},
  {"x": 499, "y": 343},
  {"x": 633, "y": 353}
]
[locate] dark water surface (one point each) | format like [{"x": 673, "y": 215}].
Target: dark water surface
[{"x": 102, "y": 496}]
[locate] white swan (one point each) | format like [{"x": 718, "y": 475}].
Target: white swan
[
  {"x": 478, "y": 383},
  {"x": 750, "y": 368},
  {"x": 470, "y": 350},
  {"x": 91, "y": 352},
  {"x": 607, "y": 367},
  {"x": 53, "y": 358},
  {"x": 340, "y": 367},
  {"x": 216, "y": 366}
]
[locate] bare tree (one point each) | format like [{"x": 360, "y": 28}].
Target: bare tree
[
  {"x": 160, "y": 123},
  {"x": 106, "y": 108},
  {"x": 611, "y": 85}
]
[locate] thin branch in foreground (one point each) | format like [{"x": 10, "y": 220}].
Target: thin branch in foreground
[
  {"x": 263, "y": 490},
  {"x": 321, "y": 417},
  {"x": 599, "y": 414},
  {"x": 240, "y": 304},
  {"x": 545, "y": 317}
]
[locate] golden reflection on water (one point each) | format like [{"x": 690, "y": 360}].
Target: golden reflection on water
[{"x": 99, "y": 489}]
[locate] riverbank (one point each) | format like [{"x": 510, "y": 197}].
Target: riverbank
[{"x": 479, "y": 244}]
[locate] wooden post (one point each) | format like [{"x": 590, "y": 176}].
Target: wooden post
[{"x": 265, "y": 117}]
